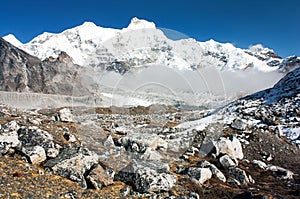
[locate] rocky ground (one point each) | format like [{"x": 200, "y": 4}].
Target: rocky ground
[{"x": 141, "y": 153}]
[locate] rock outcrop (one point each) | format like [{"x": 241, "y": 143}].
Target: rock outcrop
[{"x": 22, "y": 72}]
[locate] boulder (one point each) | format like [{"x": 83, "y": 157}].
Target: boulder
[
  {"x": 98, "y": 177},
  {"x": 114, "y": 157},
  {"x": 124, "y": 192},
  {"x": 200, "y": 174},
  {"x": 73, "y": 163},
  {"x": 33, "y": 136},
  {"x": 109, "y": 141},
  {"x": 232, "y": 147},
  {"x": 215, "y": 171},
  {"x": 151, "y": 154},
  {"x": 281, "y": 172},
  {"x": 239, "y": 175},
  {"x": 227, "y": 162},
  {"x": 36, "y": 154},
  {"x": 239, "y": 124},
  {"x": 65, "y": 115},
  {"x": 69, "y": 137},
  {"x": 9, "y": 137},
  {"x": 194, "y": 195},
  {"x": 138, "y": 142},
  {"x": 260, "y": 164},
  {"x": 147, "y": 176},
  {"x": 191, "y": 151}
]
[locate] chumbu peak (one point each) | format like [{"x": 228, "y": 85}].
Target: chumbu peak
[
  {"x": 136, "y": 23},
  {"x": 88, "y": 24}
]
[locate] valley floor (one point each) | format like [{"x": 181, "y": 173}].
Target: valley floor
[{"x": 103, "y": 130}]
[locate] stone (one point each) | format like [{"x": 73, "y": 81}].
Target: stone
[
  {"x": 151, "y": 154},
  {"x": 34, "y": 136},
  {"x": 116, "y": 158},
  {"x": 138, "y": 142},
  {"x": 279, "y": 131},
  {"x": 233, "y": 181},
  {"x": 232, "y": 147},
  {"x": 36, "y": 154},
  {"x": 110, "y": 172},
  {"x": 227, "y": 162},
  {"x": 69, "y": 137},
  {"x": 73, "y": 163},
  {"x": 98, "y": 177},
  {"x": 109, "y": 141},
  {"x": 239, "y": 175},
  {"x": 9, "y": 137},
  {"x": 124, "y": 192},
  {"x": 162, "y": 144},
  {"x": 281, "y": 172},
  {"x": 215, "y": 171},
  {"x": 147, "y": 176},
  {"x": 191, "y": 151},
  {"x": 251, "y": 180},
  {"x": 65, "y": 115},
  {"x": 194, "y": 195},
  {"x": 260, "y": 164},
  {"x": 70, "y": 195},
  {"x": 181, "y": 169},
  {"x": 200, "y": 174},
  {"x": 35, "y": 121},
  {"x": 199, "y": 138},
  {"x": 239, "y": 124}
]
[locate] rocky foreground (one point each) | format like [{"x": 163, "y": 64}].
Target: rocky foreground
[{"x": 247, "y": 149}]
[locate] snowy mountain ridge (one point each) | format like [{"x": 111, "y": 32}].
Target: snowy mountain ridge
[{"x": 141, "y": 43}]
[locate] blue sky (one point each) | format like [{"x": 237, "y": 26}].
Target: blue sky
[{"x": 273, "y": 23}]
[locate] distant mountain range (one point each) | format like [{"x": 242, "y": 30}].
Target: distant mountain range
[
  {"x": 75, "y": 62},
  {"x": 142, "y": 44}
]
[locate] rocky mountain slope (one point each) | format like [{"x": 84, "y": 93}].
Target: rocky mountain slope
[
  {"x": 274, "y": 108},
  {"x": 21, "y": 72},
  {"x": 142, "y": 44}
]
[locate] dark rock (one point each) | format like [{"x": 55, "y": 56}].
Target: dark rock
[
  {"x": 33, "y": 136},
  {"x": 74, "y": 163},
  {"x": 250, "y": 195},
  {"x": 194, "y": 195},
  {"x": 125, "y": 191},
  {"x": 239, "y": 175},
  {"x": 199, "y": 138}
]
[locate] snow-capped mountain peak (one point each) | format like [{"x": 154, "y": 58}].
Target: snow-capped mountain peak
[
  {"x": 88, "y": 24},
  {"x": 136, "y": 23},
  {"x": 13, "y": 40},
  {"x": 140, "y": 44}
]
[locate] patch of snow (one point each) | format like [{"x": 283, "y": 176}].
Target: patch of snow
[{"x": 293, "y": 134}]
